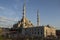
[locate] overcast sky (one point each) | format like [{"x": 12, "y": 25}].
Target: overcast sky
[{"x": 11, "y": 11}]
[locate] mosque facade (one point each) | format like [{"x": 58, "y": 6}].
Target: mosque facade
[{"x": 28, "y": 29}]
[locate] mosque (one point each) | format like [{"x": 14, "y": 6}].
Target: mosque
[{"x": 28, "y": 29}]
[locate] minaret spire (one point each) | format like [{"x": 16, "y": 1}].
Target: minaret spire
[
  {"x": 38, "y": 19},
  {"x": 24, "y": 12},
  {"x": 24, "y": 9}
]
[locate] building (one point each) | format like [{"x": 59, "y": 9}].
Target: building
[
  {"x": 40, "y": 31},
  {"x": 28, "y": 29}
]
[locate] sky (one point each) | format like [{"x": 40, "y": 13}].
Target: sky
[{"x": 11, "y": 11}]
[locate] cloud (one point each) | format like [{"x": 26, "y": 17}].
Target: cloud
[
  {"x": 2, "y": 18},
  {"x": 4, "y": 21},
  {"x": 10, "y": 14},
  {"x": 2, "y": 8}
]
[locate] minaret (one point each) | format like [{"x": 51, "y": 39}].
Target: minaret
[
  {"x": 24, "y": 23},
  {"x": 24, "y": 13},
  {"x": 24, "y": 9},
  {"x": 38, "y": 19}
]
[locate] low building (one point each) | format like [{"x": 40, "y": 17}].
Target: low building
[{"x": 41, "y": 31}]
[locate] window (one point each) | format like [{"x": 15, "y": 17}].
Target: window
[
  {"x": 35, "y": 32},
  {"x": 35, "y": 29},
  {"x": 38, "y": 29},
  {"x": 41, "y": 32},
  {"x": 38, "y": 33}
]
